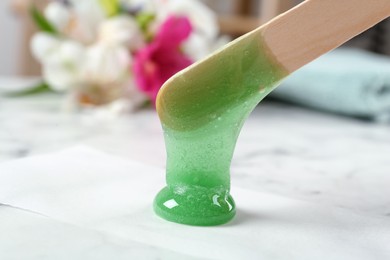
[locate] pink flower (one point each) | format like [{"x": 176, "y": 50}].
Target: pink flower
[{"x": 162, "y": 58}]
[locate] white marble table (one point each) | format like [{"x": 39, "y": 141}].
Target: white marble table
[{"x": 291, "y": 151}]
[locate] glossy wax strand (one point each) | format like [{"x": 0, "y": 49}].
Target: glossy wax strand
[{"x": 202, "y": 111}]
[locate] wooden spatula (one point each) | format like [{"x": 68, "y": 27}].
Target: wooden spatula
[
  {"x": 247, "y": 69},
  {"x": 317, "y": 26}
]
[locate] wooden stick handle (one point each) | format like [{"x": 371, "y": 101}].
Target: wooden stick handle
[{"x": 318, "y": 26}]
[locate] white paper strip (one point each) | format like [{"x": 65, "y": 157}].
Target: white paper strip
[{"x": 112, "y": 196}]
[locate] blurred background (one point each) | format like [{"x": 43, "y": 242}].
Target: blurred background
[{"x": 235, "y": 16}]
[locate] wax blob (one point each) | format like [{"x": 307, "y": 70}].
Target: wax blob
[{"x": 202, "y": 111}]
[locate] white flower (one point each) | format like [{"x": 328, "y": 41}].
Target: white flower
[
  {"x": 44, "y": 45},
  {"x": 88, "y": 15},
  {"x": 121, "y": 30},
  {"x": 61, "y": 60},
  {"x": 57, "y": 14},
  {"x": 58, "y": 78},
  {"x": 105, "y": 64},
  {"x": 61, "y": 69},
  {"x": 197, "y": 47}
]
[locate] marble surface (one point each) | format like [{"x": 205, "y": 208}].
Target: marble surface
[{"x": 286, "y": 150}]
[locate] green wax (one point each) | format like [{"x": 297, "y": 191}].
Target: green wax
[{"x": 202, "y": 111}]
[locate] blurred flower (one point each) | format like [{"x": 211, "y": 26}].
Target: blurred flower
[
  {"x": 100, "y": 51},
  {"x": 62, "y": 67},
  {"x": 61, "y": 60},
  {"x": 105, "y": 64},
  {"x": 198, "y": 47},
  {"x": 162, "y": 58},
  {"x": 87, "y": 16},
  {"x": 44, "y": 45},
  {"x": 58, "y": 14},
  {"x": 122, "y": 30},
  {"x": 203, "y": 20}
]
